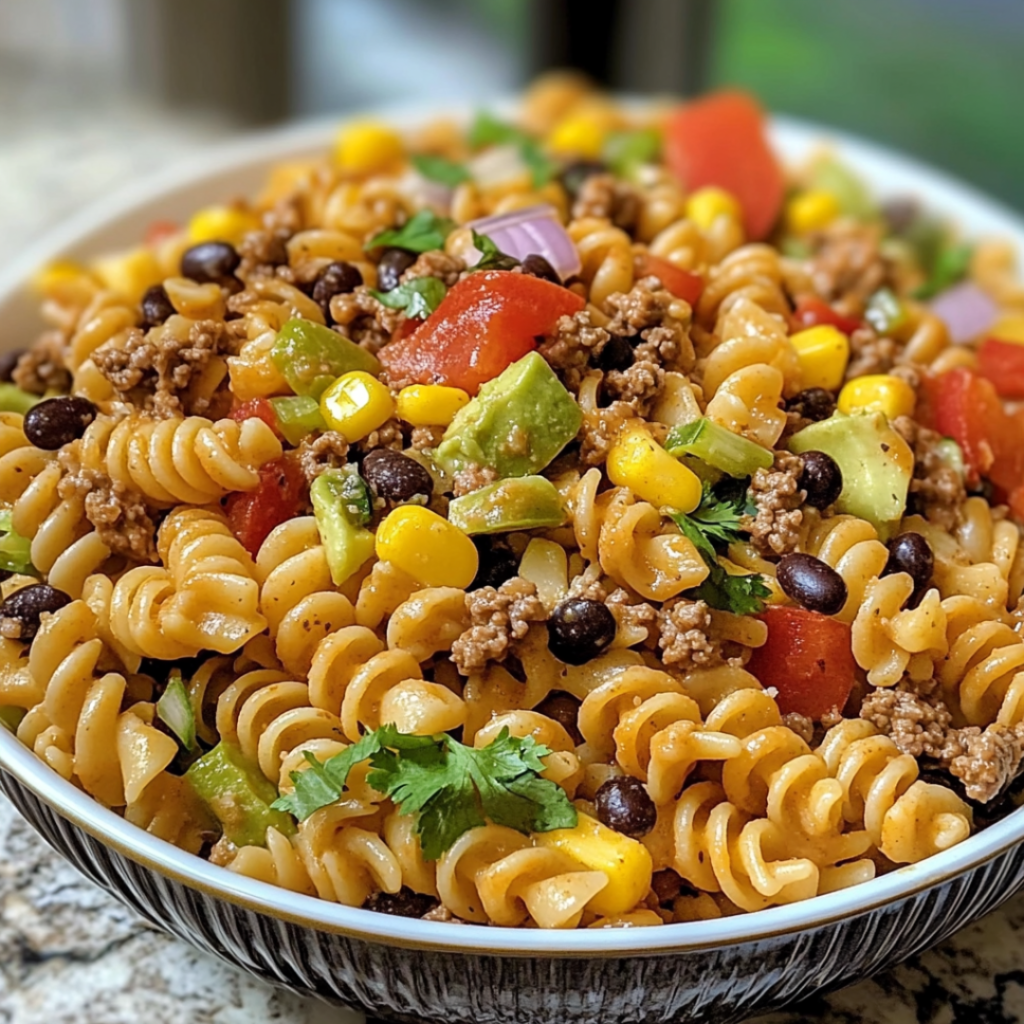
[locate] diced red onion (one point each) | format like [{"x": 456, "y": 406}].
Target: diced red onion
[
  {"x": 966, "y": 310},
  {"x": 533, "y": 231}
]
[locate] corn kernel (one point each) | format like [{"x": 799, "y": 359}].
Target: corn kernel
[
  {"x": 626, "y": 862},
  {"x": 129, "y": 273},
  {"x": 579, "y": 135},
  {"x": 427, "y": 547},
  {"x": 1009, "y": 327},
  {"x": 878, "y": 393},
  {"x": 823, "y": 353},
  {"x": 356, "y": 404},
  {"x": 706, "y": 205},
  {"x": 811, "y": 211},
  {"x": 638, "y": 462},
  {"x": 66, "y": 282},
  {"x": 430, "y": 405},
  {"x": 367, "y": 146},
  {"x": 221, "y": 224}
]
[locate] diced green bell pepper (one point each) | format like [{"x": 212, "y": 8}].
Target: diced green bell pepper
[{"x": 311, "y": 357}]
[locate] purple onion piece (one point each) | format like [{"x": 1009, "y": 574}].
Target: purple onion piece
[
  {"x": 966, "y": 310},
  {"x": 533, "y": 231}
]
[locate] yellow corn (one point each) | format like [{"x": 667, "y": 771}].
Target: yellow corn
[
  {"x": 430, "y": 405},
  {"x": 811, "y": 211},
  {"x": 427, "y": 547},
  {"x": 221, "y": 224},
  {"x": 878, "y": 393},
  {"x": 823, "y": 352},
  {"x": 579, "y": 135},
  {"x": 638, "y": 462},
  {"x": 356, "y": 404},
  {"x": 625, "y": 861},
  {"x": 129, "y": 273},
  {"x": 368, "y": 146},
  {"x": 706, "y": 205},
  {"x": 1009, "y": 327},
  {"x": 65, "y": 282}
]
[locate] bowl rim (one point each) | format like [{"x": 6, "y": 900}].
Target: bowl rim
[{"x": 889, "y": 174}]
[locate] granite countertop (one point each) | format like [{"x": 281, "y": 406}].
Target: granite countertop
[{"x": 70, "y": 954}]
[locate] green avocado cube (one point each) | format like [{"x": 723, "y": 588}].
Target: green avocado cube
[
  {"x": 516, "y": 425},
  {"x": 519, "y": 503},
  {"x": 342, "y": 507}
]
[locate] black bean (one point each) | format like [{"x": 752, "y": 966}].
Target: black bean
[
  {"x": 623, "y": 804},
  {"x": 8, "y": 362},
  {"x": 393, "y": 264},
  {"x": 19, "y": 614},
  {"x": 617, "y": 354},
  {"x": 821, "y": 478},
  {"x": 393, "y": 475},
  {"x": 573, "y": 176},
  {"x": 564, "y": 709},
  {"x": 404, "y": 903},
  {"x": 156, "y": 306},
  {"x": 536, "y": 266},
  {"x": 666, "y": 885},
  {"x": 210, "y": 261},
  {"x": 912, "y": 554},
  {"x": 335, "y": 279},
  {"x": 497, "y": 564},
  {"x": 814, "y": 404},
  {"x": 812, "y": 583},
  {"x": 56, "y": 422},
  {"x": 580, "y": 630}
]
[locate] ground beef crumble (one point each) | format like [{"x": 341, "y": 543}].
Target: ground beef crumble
[
  {"x": 366, "y": 320},
  {"x": 599, "y": 430},
  {"x": 639, "y": 385},
  {"x": 42, "y": 368},
  {"x": 607, "y": 197},
  {"x": 869, "y": 353},
  {"x": 387, "y": 435},
  {"x": 630, "y": 615},
  {"x": 588, "y": 585},
  {"x": 423, "y": 438},
  {"x": 575, "y": 343},
  {"x": 327, "y": 451},
  {"x": 472, "y": 478},
  {"x": 775, "y": 527},
  {"x": 847, "y": 267},
  {"x": 644, "y": 311},
  {"x": 937, "y": 490},
  {"x": 436, "y": 263},
  {"x": 497, "y": 618},
  {"x": 683, "y": 626},
  {"x": 800, "y": 724},
  {"x": 264, "y": 252}
]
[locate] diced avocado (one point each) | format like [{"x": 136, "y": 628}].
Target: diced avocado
[
  {"x": 311, "y": 357},
  {"x": 238, "y": 795},
  {"x": 876, "y": 463},
  {"x": 13, "y": 399},
  {"x": 341, "y": 504},
  {"x": 298, "y": 416},
  {"x": 516, "y": 425},
  {"x": 519, "y": 503}
]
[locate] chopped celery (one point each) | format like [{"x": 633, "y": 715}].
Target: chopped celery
[
  {"x": 310, "y": 356},
  {"x": 341, "y": 504},
  {"x": 15, "y": 550},
  {"x": 520, "y": 503},
  {"x": 10, "y": 718},
  {"x": 13, "y": 399},
  {"x": 624, "y": 151},
  {"x": 298, "y": 416},
  {"x": 718, "y": 447},
  {"x": 853, "y": 196},
  {"x": 239, "y": 796},
  {"x": 885, "y": 312},
  {"x": 176, "y": 712}
]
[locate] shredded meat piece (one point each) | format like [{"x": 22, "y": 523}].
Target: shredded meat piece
[
  {"x": 472, "y": 478},
  {"x": 436, "y": 263},
  {"x": 937, "y": 491},
  {"x": 264, "y": 252},
  {"x": 599, "y": 430},
  {"x": 848, "y": 267},
  {"x": 869, "y": 353},
  {"x": 319, "y": 454},
  {"x": 426, "y": 437},
  {"x": 775, "y": 528},
  {"x": 155, "y": 369},
  {"x": 497, "y": 617},
  {"x": 42, "y": 368},
  {"x": 988, "y": 761},
  {"x": 575, "y": 342},
  {"x": 684, "y": 642},
  {"x": 800, "y": 724},
  {"x": 607, "y": 197},
  {"x": 367, "y": 321}
]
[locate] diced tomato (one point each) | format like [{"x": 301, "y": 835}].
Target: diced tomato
[
  {"x": 280, "y": 496},
  {"x": 159, "y": 230},
  {"x": 807, "y": 658},
  {"x": 484, "y": 324},
  {"x": 680, "y": 283},
  {"x": 257, "y": 408},
  {"x": 720, "y": 140},
  {"x": 1002, "y": 362},
  {"x": 812, "y": 312}
]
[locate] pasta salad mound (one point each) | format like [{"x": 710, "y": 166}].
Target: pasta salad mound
[{"x": 574, "y": 520}]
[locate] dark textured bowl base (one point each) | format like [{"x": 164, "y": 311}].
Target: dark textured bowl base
[{"x": 716, "y": 985}]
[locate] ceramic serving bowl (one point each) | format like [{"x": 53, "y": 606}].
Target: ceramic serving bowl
[{"x": 400, "y": 968}]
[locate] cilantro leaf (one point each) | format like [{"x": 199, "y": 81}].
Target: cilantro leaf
[
  {"x": 542, "y": 167},
  {"x": 418, "y": 297},
  {"x": 15, "y": 550},
  {"x": 950, "y": 267},
  {"x": 439, "y": 169},
  {"x": 491, "y": 257},
  {"x": 487, "y": 130},
  {"x": 422, "y": 232},
  {"x": 624, "y": 151},
  {"x": 741, "y": 595}
]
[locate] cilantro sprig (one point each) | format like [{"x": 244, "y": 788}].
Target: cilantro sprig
[
  {"x": 449, "y": 786},
  {"x": 418, "y": 297},
  {"x": 491, "y": 257},
  {"x": 487, "y": 130},
  {"x": 422, "y": 232},
  {"x": 440, "y": 169},
  {"x": 716, "y": 521}
]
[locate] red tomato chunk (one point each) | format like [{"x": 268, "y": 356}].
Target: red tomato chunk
[
  {"x": 257, "y": 408},
  {"x": 280, "y": 496},
  {"x": 812, "y": 312},
  {"x": 680, "y": 283},
  {"x": 1002, "y": 362}
]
